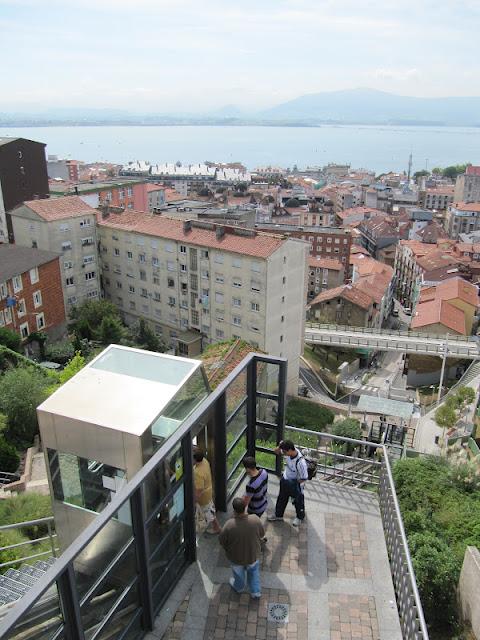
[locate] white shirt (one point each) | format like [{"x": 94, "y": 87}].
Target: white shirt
[{"x": 295, "y": 468}]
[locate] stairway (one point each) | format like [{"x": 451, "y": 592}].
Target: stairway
[{"x": 15, "y": 583}]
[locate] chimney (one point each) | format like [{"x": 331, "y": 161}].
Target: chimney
[
  {"x": 187, "y": 226},
  {"x": 219, "y": 232}
]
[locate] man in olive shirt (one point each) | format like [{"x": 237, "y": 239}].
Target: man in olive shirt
[
  {"x": 202, "y": 476},
  {"x": 241, "y": 537}
]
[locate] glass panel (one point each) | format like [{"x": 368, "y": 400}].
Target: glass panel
[
  {"x": 94, "y": 610},
  {"x": 121, "y": 619},
  {"x": 135, "y": 631},
  {"x": 189, "y": 396},
  {"x": 161, "y": 558},
  {"x": 169, "y": 579},
  {"x": 265, "y": 460},
  {"x": 83, "y": 483},
  {"x": 237, "y": 425},
  {"x": 28, "y": 626},
  {"x": 267, "y": 410},
  {"x": 237, "y": 453},
  {"x": 101, "y": 551},
  {"x": 166, "y": 519},
  {"x": 267, "y": 377},
  {"x": 302, "y": 439},
  {"x": 266, "y": 437},
  {"x": 236, "y": 392},
  {"x": 163, "y": 478}
]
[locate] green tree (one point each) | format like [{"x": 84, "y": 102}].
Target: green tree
[
  {"x": 87, "y": 317},
  {"x": 111, "y": 330},
  {"x": 143, "y": 336},
  {"x": 446, "y": 416},
  {"x": 421, "y": 174},
  {"x": 306, "y": 414},
  {"x": 465, "y": 396},
  {"x": 10, "y": 339},
  {"x": 60, "y": 352},
  {"x": 73, "y": 367},
  {"x": 347, "y": 428},
  {"x": 9, "y": 458},
  {"x": 21, "y": 391}
]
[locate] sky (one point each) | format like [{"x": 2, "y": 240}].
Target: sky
[{"x": 194, "y": 56}]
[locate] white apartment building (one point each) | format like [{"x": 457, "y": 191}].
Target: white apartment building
[
  {"x": 198, "y": 282},
  {"x": 462, "y": 217},
  {"x": 66, "y": 226},
  {"x": 467, "y": 186}
]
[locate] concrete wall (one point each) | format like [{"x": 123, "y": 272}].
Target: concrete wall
[{"x": 469, "y": 588}]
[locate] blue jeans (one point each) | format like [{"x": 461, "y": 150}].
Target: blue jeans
[{"x": 253, "y": 577}]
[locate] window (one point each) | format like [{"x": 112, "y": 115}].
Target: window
[
  {"x": 121, "y": 194},
  {"x": 69, "y": 281},
  {"x": 256, "y": 266},
  {"x": 129, "y": 255},
  {"x": 183, "y": 268},
  {"x": 129, "y": 191},
  {"x": 218, "y": 297},
  {"x": 236, "y": 262},
  {"x": 141, "y": 257},
  {"x": 205, "y": 274},
  {"x": 194, "y": 282},
  {"x": 337, "y": 240},
  {"x": 170, "y": 283},
  {"x": 68, "y": 264},
  {"x": 17, "y": 283},
  {"x": 218, "y": 258},
  {"x": 85, "y": 223},
  {"x": 132, "y": 304},
  {"x": 254, "y": 328},
  {"x": 254, "y": 306},
  {"x": 72, "y": 300},
  {"x": 195, "y": 319},
  {"x": 282, "y": 318},
  {"x": 329, "y": 240},
  {"x": 219, "y": 318},
  {"x": 87, "y": 242},
  {"x": 40, "y": 321},
  {"x": 156, "y": 280},
  {"x": 34, "y": 275},
  {"x": 183, "y": 248},
  {"x": 34, "y": 244},
  {"x": 155, "y": 261},
  {"x": 204, "y": 253},
  {"x": 118, "y": 284},
  {"x": 255, "y": 286},
  {"x": 2, "y": 320},
  {"x": 131, "y": 288},
  {"x": 193, "y": 299},
  {"x": 107, "y": 281},
  {"x": 169, "y": 248},
  {"x": 144, "y": 293},
  {"x": 284, "y": 280},
  {"x": 116, "y": 269},
  {"x": 88, "y": 259},
  {"x": 143, "y": 275},
  {"x": 281, "y": 338},
  {"x": 145, "y": 308},
  {"x": 236, "y": 302},
  {"x": 90, "y": 275},
  {"x": 237, "y": 321},
  {"x": 21, "y": 308},
  {"x": 66, "y": 246},
  {"x": 219, "y": 278},
  {"x": 283, "y": 298},
  {"x": 170, "y": 265},
  {"x": 171, "y": 301},
  {"x": 116, "y": 251},
  {"x": 219, "y": 333},
  {"x": 24, "y": 332},
  {"x": 64, "y": 227},
  {"x": 37, "y": 299}
]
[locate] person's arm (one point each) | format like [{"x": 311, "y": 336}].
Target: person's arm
[
  {"x": 246, "y": 499},
  {"x": 261, "y": 530},
  {"x": 302, "y": 471},
  {"x": 277, "y": 449},
  {"x": 223, "y": 537}
]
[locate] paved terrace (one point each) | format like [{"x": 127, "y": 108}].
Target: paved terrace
[
  {"x": 332, "y": 573},
  {"x": 389, "y": 340}
]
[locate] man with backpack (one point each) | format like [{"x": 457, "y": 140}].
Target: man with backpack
[{"x": 292, "y": 482}]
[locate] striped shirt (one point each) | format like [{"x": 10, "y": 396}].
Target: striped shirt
[{"x": 256, "y": 490}]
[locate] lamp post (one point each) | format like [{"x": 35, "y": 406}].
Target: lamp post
[{"x": 442, "y": 372}]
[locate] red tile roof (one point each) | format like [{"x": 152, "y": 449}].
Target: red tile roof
[
  {"x": 154, "y": 187},
  {"x": 433, "y": 312},
  {"x": 260, "y": 245},
  {"x": 325, "y": 263},
  {"x": 365, "y": 265},
  {"x": 347, "y": 291},
  {"x": 473, "y": 171},
  {"x": 451, "y": 289},
  {"x": 467, "y": 206},
  {"x": 59, "y": 208}
]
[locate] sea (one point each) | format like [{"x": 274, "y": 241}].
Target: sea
[{"x": 379, "y": 148}]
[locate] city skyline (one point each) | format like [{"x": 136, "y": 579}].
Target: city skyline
[{"x": 166, "y": 56}]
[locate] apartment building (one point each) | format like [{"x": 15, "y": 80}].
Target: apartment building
[
  {"x": 198, "y": 283},
  {"x": 437, "y": 199},
  {"x": 462, "y": 217},
  {"x": 62, "y": 169},
  {"x": 31, "y": 296},
  {"x": 323, "y": 274},
  {"x": 467, "y": 186},
  {"x": 126, "y": 194},
  {"x": 66, "y": 226},
  {"x": 23, "y": 176}
]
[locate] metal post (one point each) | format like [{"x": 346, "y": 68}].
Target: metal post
[
  {"x": 72, "y": 618},
  {"x": 220, "y": 449},
  {"x": 50, "y": 535},
  {"x": 282, "y": 393},
  {"x": 442, "y": 372},
  {"x": 252, "y": 406},
  {"x": 139, "y": 517},
  {"x": 190, "y": 529}
]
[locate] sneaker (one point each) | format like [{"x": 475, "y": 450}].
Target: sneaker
[
  {"x": 264, "y": 540},
  {"x": 273, "y": 518},
  {"x": 255, "y": 596},
  {"x": 296, "y": 522},
  {"x": 231, "y": 582}
]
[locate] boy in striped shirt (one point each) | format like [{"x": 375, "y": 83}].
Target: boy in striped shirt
[{"x": 255, "y": 497}]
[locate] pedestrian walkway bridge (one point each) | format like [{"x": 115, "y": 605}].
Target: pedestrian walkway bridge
[{"x": 390, "y": 340}]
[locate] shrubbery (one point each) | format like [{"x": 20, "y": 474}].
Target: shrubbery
[
  {"x": 305, "y": 414},
  {"x": 441, "y": 515}
]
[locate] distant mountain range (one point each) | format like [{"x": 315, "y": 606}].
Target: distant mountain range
[{"x": 356, "y": 106}]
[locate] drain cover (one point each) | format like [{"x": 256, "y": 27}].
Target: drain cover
[{"x": 278, "y": 612}]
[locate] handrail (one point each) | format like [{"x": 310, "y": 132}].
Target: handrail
[
  {"x": 27, "y": 523},
  {"x": 387, "y": 332},
  {"x": 49, "y": 521},
  {"x": 88, "y": 534}
]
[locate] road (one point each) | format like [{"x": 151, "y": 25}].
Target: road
[{"x": 385, "y": 340}]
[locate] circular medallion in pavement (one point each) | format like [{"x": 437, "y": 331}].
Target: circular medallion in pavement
[{"x": 278, "y": 612}]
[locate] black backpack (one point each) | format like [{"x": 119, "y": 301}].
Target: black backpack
[{"x": 311, "y": 466}]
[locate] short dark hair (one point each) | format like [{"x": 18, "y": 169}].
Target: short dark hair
[
  {"x": 198, "y": 454},
  {"x": 238, "y": 505},
  {"x": 249, "y": 462},
  {"x": 287, "y": 445}
]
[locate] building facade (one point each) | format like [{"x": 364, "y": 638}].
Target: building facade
[
  {"x": 198, "y": 283},
  {"x": 31, "y": 297},
  {"x": 23, "y": 176},
  {"x": 467, "y": 186},
  {"x": 462, "y": 217},
  {"x": 67, "y": 226},
  {"x": 62, "y": 169},
  {"x": 323, "y": 274}
]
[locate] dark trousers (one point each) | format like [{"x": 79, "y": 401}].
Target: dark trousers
[{"x": 290, "y": 489}]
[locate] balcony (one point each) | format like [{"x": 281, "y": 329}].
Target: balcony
[{"x": 135, "y": 571}]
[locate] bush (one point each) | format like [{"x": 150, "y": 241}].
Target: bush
[
  {"x": 347, "y": 428},
  {"x": 9, "y": 458},
  {"x": 26, "y": 506},
  {"x": 21, "y": 391},
  {"x": 60, "y": 352},
  {"x": 10, "y": 339},
  {"x": 7, "y": 538},
  {"x": 305, "y": 414}
]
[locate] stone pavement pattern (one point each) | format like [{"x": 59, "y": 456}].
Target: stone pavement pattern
[{"x": 332, "y": 572}]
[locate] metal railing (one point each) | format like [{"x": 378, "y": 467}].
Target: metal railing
[
  {"x": 387, "y": 332},
  {"x": 48, "y": 522},
  {"x": 335, "y": 456},
  {"x": 6, "y": 477}
]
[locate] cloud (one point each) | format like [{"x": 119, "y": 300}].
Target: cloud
[{"x": 396, "y": 74}]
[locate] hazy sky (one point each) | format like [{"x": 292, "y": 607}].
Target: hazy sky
[{"x": 189, "y": 55}]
